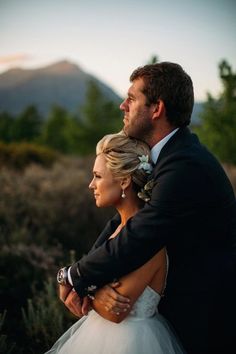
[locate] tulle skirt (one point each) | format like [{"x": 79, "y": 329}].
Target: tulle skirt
[{"x": 93, "y": 334}]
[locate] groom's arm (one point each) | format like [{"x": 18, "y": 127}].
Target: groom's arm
[
  {"x": 104, "y": 235},
  {"x": 143, "y": 236},
  {"x": 116, "y": 257}
]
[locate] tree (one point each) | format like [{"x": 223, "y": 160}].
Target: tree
[
  {"x": 6, "y": 127},
  {"x": 154, "y": 59},
  {"x": 218, "y": 128},
  {"x": 27, "y": 127},
  {"x": 100, "y": 117},
  {"x": 61, "y": 131}
]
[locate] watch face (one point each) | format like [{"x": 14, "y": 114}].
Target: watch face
[{"x": 60, "y": 277}]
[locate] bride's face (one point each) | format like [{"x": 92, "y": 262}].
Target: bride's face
[{"x": 107, "y": 189}]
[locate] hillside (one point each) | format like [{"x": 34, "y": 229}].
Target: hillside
[{"x": 62, "y": 83}]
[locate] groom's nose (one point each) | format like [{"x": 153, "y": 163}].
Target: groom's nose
[{"x": 123, "y": 105}]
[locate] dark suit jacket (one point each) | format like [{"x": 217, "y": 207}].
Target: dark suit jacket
[{"x": 192, "y": 212}]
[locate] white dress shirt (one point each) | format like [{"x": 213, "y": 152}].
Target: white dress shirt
[{"x": 155, "y": 151}]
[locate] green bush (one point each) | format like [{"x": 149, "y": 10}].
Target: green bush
[
  {"x": 45, "y": 319},
  {"x": 5, "y": 346},
  {"x": 45, "y": 213},
  {"x": 51, "y": 206},
  {"x": 20, "y": 155},
  {"x": 22, "y": 268}
]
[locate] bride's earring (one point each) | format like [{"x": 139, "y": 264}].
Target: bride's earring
[{"x": 123, "y": 194}]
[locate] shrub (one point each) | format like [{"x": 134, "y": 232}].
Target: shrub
[
  {"x": 45, "y": 216},
  {"x": 23, "y": 269},
  {"x": 45, "y": 319},
  {"x": 5, "y": 346},
  {"x": 20, "y": 155},
  {"x": 51, "y": 206}
]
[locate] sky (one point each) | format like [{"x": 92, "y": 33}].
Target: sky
[{"x": 109, "y": 39}]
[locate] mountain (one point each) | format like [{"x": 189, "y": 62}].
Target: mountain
[{"x": 62, "y": 83}]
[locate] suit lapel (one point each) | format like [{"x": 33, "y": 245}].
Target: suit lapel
[{"x": 181, "y": 140}]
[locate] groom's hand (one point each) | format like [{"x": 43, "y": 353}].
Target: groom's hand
[
  {"x": 64, "y": 291},
  {"x": 111, "y": 300},
  {"x": 71, "y": 300}
]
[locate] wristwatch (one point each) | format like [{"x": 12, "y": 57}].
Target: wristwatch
[{"x": 62, "y": 276}]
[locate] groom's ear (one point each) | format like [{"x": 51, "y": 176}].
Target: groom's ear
[{"x": 159, "y": 109}]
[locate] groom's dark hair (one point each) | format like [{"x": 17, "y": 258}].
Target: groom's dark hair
[{"x": 170, "y": 83}]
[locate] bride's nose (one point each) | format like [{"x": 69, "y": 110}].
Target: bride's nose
[{"x": 91, "y": 184}]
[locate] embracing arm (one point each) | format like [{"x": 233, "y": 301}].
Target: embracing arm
[{"x": 133, "y": 284}]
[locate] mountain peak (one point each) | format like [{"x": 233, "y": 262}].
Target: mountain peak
[
  {"x": 62, "y": 67},
  {"x": 63, "y": 83}
]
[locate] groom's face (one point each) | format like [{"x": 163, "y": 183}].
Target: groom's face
[{"x": 137, "y": 115}]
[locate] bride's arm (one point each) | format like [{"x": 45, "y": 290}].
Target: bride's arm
[{"x": 133, "y": 284}]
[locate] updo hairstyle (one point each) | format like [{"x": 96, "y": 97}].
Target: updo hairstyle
[{"x": 122, "y": 155}]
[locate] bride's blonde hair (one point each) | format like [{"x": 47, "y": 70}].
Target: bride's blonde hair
[{"x": 122, "y": 155}]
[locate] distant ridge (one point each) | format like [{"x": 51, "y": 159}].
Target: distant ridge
[{"x": 62, "y": 83}]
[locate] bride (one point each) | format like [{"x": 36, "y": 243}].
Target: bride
[{"x": 120, "y": 179}]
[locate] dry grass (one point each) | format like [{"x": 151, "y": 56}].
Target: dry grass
[{"x": 51, "y": 206}]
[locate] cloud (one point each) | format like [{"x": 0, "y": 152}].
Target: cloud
[{"x": 14, "y": 58}]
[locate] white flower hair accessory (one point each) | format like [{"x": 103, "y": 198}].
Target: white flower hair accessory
[{"x": 144, "y": 164}]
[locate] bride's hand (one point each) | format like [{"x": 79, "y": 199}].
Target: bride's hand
[{"x": 111, "y": 300}]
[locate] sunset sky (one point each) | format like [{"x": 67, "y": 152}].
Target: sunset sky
[{"x": 109, "y": 39}]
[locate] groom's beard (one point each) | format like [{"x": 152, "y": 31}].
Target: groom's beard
[{"x": 141, "y": 128}]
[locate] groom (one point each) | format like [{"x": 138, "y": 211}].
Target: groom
[{"x": 192, "y": 212}]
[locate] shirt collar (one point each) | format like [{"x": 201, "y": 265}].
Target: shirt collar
[{"x": 155, "y": 151}]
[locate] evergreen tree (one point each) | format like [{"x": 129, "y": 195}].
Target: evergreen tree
[
  {"x": 154, "y": 59},
  {"x": 27, "y": 127},
  {"x": 100, "y": 117},
  {"x": 6, "y": 127},
  {"x": 61, "y": 131},
  {"x": 218, "y": 128}
]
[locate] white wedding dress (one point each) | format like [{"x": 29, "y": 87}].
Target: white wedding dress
[{"x": 144, "y": 331}]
